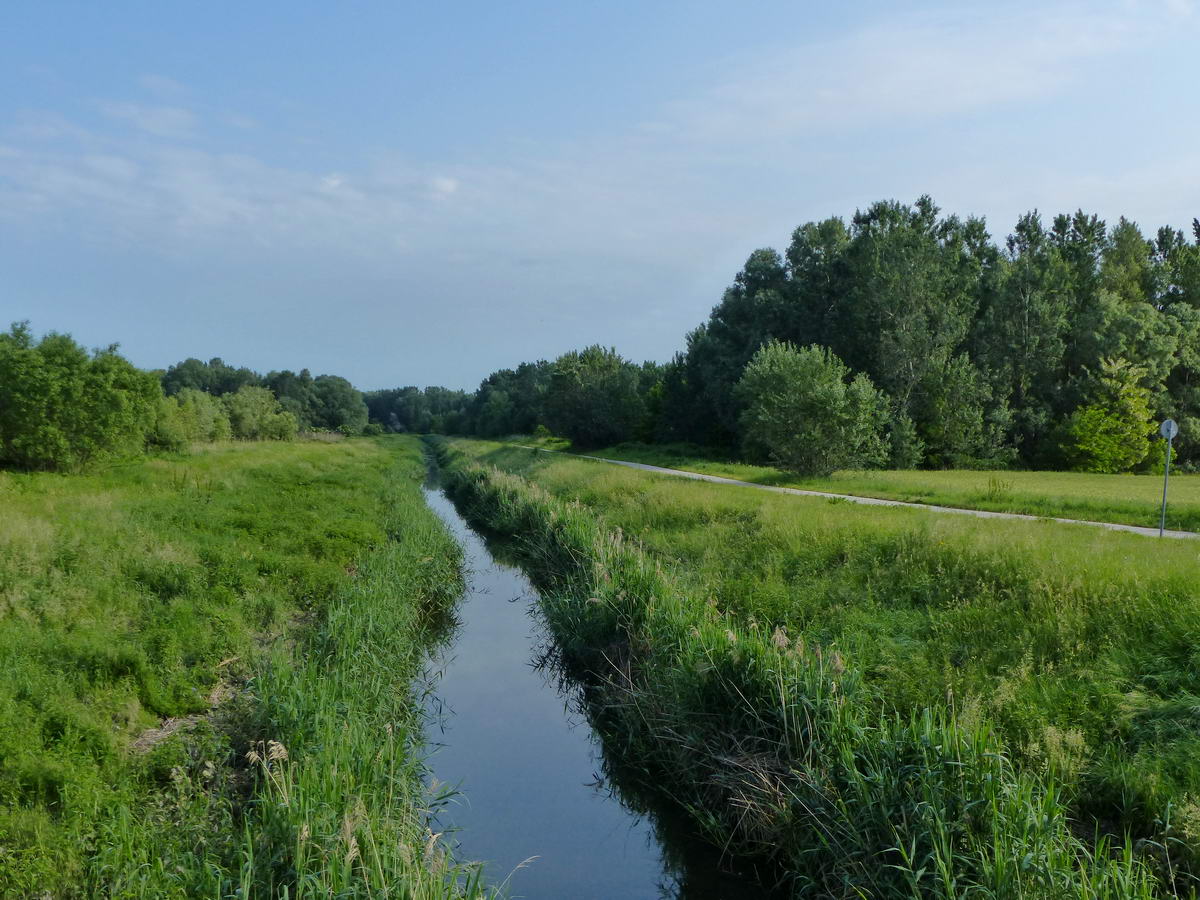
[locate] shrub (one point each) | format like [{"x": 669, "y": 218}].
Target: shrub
[
  {"x": 204, "y": 416},
  {"x": 1112, "y": 433},
  {"x": 63, "y": 408},
  {"x": 801, "y": 409},
  {"x": 255, "y": 414}
]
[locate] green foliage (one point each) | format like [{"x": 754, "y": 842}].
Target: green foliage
[
  {"x": 255, "y": 414},
  {"x": 63, "y": 408},
  {"x": 1112, "y": 433},
  {"x": 594, "y": 397},
  {"x": 984, "y": 350},
  {"x": 204, "y": 417},
  {"x": 190, "y": 417},
  {"x": 412, "y": 410},
  {"x": 1126, "y": 499},
  {"x": 302, "y": 581},
  {"x": 828, "y": 687},
  {"x": 339, "y": 405},
  {"x": 906, "y": 450},
  {"x": 804, "y": 411},
  {"x": 214, "y": 377}
]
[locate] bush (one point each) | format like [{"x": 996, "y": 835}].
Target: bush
[
  {"x": 63, "y": 408},
  {"x": 255, "y": 414},
  {"x": 804, "y": 413},
  {"x": 1111, "y": 434},
  {"x": 205, "y": 418}
]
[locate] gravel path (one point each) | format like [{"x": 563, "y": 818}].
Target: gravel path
[{"x": 875, "y": 501}]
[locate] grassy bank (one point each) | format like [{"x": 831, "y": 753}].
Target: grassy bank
[
  {"x": 1125, "y": 499},
  {"x": 803, "y": 659},
  {"x": 295, "y": 586}
]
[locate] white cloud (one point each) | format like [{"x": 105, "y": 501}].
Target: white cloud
[
  {"x": 162, "y": 86},
  {"x": 713, "y": 176},
  {"x": 160, "y": 121},
  {"x": 915, "y": 67}
]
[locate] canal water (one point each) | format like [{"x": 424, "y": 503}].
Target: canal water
[{"x": 534, "y": 805}]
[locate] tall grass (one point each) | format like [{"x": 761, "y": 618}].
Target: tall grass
[
  {"x": 778, "y": 747},
  {"x": 300, "y": 584},
  {"x": 1075, "y": 645},
  {"x": 1125, "y": 499}
]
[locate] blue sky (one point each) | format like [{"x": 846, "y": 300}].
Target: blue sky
[{"x": 409, "y": 193}]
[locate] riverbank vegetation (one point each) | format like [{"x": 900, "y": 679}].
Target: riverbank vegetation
[
  {"x": 210, "y": 667},
  {"x": 885, "y": 702}
]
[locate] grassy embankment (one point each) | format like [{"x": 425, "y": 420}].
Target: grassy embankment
[
  {"x": 299, "y": 584},
  {"x": 1125, "y": 499},
  {"x": 890, "y": 701}
]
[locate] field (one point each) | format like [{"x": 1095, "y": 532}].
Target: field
[
  {"x": 207, "y": 675},
  {"x": 1068, "y": 654},
  {"x": 1125, "y": 499}
]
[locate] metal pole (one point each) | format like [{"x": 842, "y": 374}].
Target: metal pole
[{"x": 1162, "y": 521}]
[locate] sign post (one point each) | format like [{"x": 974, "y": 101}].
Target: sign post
[{"x": 1168, "y": 430}]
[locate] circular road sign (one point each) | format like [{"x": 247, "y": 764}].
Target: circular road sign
[{"x": 1169, "y": 429}]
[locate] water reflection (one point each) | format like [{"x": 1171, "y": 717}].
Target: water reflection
[{"x": 541, "y": 801}]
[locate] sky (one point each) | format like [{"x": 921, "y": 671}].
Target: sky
[{"x": 418, "y": 193}]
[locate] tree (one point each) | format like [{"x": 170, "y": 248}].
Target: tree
[
  {"x": 204, "y": 417},
  {"x": 594, "y": 398},
  {"x": 213, "y": 377},
  {"x": 338, "y": 405},
  {"x": 1112, "y": 433},
  {"x": 1020, "y": 335},
  {"x": 255, "y": 414},
  {"x": 802, "y": 409},
  {"x": 296, "y": 394},
  {"x": 63, "y": 408}
]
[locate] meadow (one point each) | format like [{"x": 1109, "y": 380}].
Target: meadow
[
  {"x": 1125, "y": 499},
  {"x": 210, "y": 675},
  {"x": 886, "y": 701}
]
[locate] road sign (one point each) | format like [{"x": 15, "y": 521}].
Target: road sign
[{"x": 1168, "y": 430}]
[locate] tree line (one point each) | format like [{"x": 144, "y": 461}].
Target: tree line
[
  {"x": 1060, "y": 347},
  {"x": 65, "y": 408}
]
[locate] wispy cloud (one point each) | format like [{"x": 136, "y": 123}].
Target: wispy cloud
[
  {"x": 160, "y": 121},
  {"x": 916, "y": 67},
  {"x": 162, "y": 86},
  {"x": 629, "y": 223}
]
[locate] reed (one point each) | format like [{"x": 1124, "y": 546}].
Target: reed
[
  {"x": 777, "y": 743},
  {"x": 212, "y": 676}
]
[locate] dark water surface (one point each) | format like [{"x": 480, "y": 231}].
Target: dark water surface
[{"x": 529, "y": 767}]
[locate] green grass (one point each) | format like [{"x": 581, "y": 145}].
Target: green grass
[
  {"x": 306, "y": 580},
  {"x": 1124, "y": 499},
  {"x": 1068, "y": 653}
]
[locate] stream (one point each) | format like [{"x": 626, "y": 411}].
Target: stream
[{"x": 534, "y": 804}]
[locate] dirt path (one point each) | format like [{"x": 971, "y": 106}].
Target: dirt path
[{"x": 876, "y": 501}]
